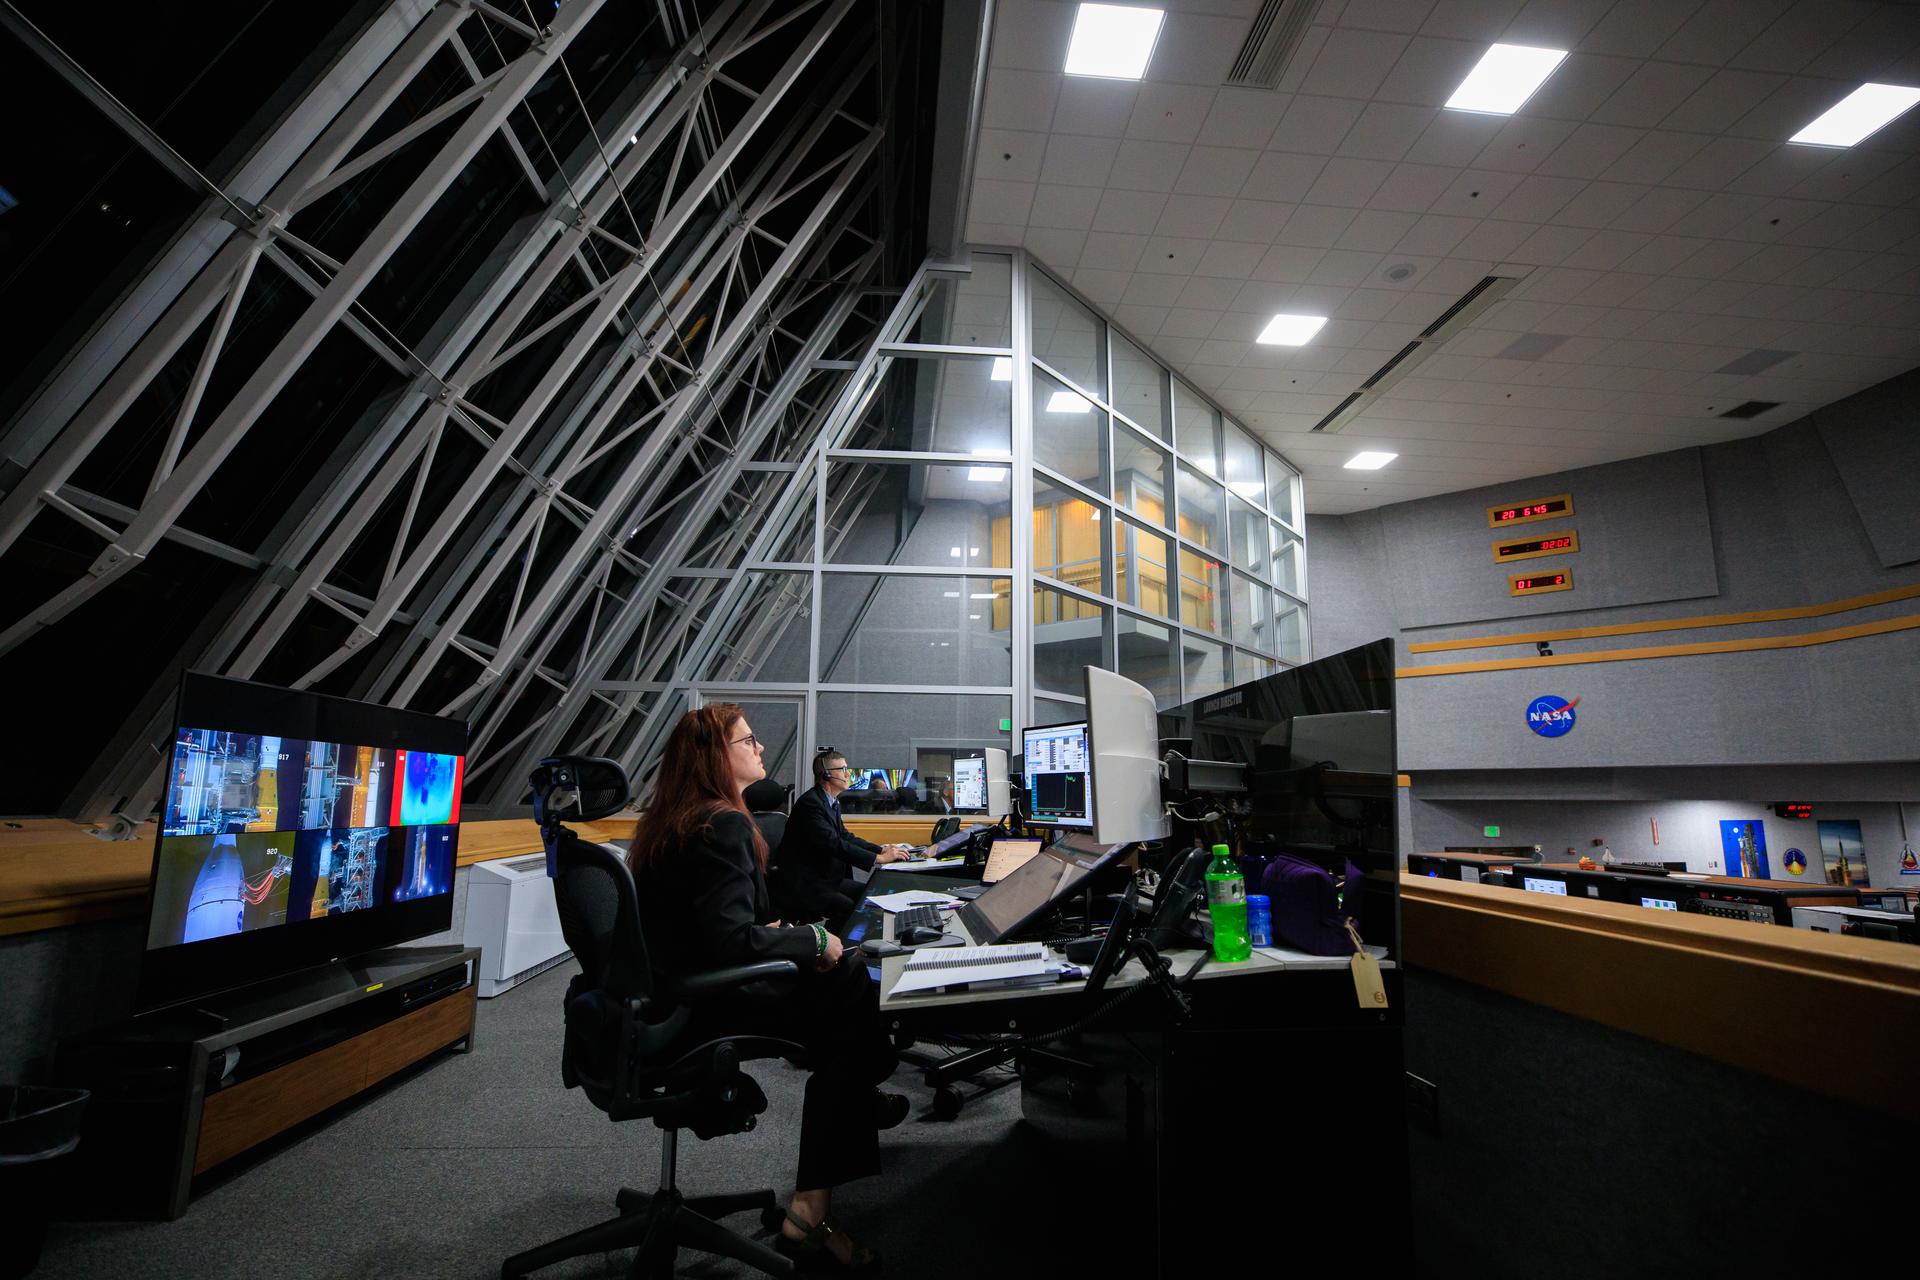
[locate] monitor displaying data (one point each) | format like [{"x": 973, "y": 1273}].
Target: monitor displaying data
[
  {"x": 1059, "y": 775},
  {"x": 970, "y": 783}
]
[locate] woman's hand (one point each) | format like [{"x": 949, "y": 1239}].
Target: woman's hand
[{"x": 831, "y": 956}]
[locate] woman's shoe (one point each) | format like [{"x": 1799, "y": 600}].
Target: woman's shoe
[
  {"x": 889, "y": 1109},
  {"x": 816, "y": 1252}
]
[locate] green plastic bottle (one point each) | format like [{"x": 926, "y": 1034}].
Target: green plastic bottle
[{"x": 1227, "y": 904}]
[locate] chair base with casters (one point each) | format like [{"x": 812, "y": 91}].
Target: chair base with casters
[
  {"x": 659, "y": 1224},
  {"x": 634, "y": 1046}
]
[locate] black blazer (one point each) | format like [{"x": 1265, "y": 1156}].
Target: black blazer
[
  {"x": 705, "y": 905},
  {"x": 818, "y": 852}
]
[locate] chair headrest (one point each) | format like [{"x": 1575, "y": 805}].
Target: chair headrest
[
  {"x": 766, "y": 796},
  {"x": 578, "y": 789}
]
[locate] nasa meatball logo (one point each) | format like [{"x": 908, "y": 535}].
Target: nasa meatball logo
[{"x": 1550, "y": 716}]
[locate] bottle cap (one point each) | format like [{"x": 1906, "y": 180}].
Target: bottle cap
[
  {"x": 1260, "y": 898},
  {"x": 1221, "y": 851}
]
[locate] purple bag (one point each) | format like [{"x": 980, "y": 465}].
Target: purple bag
[{"x": 1307, "y": 911}]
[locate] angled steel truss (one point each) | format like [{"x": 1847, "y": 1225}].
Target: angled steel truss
[{"x": 625, "y": 393}]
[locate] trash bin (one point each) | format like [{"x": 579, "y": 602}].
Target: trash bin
[{"x": 37, "y": 1126}]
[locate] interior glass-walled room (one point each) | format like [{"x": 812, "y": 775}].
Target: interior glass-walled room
[{"x": 1009, "y": 490}]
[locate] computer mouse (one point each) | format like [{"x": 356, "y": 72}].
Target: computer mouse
[
  {"x": 881, "y": 948},
  {"x": 919, "y": 934}
]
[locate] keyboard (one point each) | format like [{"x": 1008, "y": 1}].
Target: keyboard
[{"x": 926, "y": 916}]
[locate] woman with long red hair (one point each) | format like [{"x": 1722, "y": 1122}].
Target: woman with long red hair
[{"x": 700, "y": 865}]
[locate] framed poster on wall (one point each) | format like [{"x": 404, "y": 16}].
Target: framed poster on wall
[
  {"x": 1744, "y": 845},
  {"x": 1844, "y": 853}
]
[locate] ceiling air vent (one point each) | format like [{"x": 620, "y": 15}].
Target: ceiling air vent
[
  {"x": 1471, "y": 305},
  {"x": 1751, "y": 409},
  {"x": 1277, "y": 31}
]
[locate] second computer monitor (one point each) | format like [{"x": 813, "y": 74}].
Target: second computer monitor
[{"x": 1059, "y": 775}]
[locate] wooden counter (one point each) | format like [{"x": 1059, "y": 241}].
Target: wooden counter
[{"x": 1831, "y": 1014}]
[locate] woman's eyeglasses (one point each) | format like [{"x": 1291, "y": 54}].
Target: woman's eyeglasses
[{"x": 750, "y": 740}]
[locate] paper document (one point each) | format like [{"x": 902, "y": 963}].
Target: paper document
[
  {"x": 926, "y": 970},
  {"x": 891, "y": 902},
  {"x": 930, "y": 864}
]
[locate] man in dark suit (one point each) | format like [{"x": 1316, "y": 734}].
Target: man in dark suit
[{"x": 813, "y": 869}]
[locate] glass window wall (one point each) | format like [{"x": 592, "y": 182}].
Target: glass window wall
[
  {"x": 1196, "y": 428},
  {"x": 970, "y": 310},
  {"x": 938, "y": 404},
  {"x": 894, "y": 742},
  {"x": 1146, "y": 657},
  {"x": 1069, "y": 538},
  {"x": 914, "y": 630},
  {"x": 1204, "y": 665},
  {"x": 1140, "y": 560},
  {"x": 1069, "y": 433},
  {"x": 1203, "y": 510},
  {"x": 1200, "y": 586},
  {"x": 1139, "y": 387},
  {"x": 927, "y": 515},
  {"x": 1068, "y": 634},
  {"x": 1066, "y": 335},
  {"x": 1140, "y": 475}
]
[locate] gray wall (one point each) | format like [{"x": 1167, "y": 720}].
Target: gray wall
[{"x": 1802, "y": 515}]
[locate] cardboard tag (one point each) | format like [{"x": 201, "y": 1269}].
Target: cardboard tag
[{"x": 1368, "y": 987}]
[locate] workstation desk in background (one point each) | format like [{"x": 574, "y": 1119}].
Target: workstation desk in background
[
  {"x": 1732, "y": 897},
  {"x": 1473, "y": 868}
]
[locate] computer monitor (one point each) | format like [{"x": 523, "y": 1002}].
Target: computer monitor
[
  {"x": 1007, "y": 857},
  {"x": 296, "y": 828},
  {"x": 1041, "y": 882},
  {"x": 970, "y": 784},
  {"x": 999, "y": 786},
  {"x": 1123, "y": 736},
  {"x": 1059, "y": 775}
]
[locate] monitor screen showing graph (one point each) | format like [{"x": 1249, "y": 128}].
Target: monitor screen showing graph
[{"x": 1059, "y": 775}]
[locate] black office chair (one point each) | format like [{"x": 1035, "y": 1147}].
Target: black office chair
[
  {"x": 629, "y": 1044},
  {"x": 767, "y": 803}
]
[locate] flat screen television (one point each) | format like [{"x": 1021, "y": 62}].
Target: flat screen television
[{"x": 296, "y": 829}]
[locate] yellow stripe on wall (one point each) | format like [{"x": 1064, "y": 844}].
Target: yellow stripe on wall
[
  {"x": 1885, "y": 627},
  {"x": 1674, "y": 624}
]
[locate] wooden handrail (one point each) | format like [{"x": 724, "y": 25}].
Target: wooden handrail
[{"x": 1830, "y": 1014}]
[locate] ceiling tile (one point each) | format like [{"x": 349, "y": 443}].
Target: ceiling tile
[
  {"x": 1386, "y": 131},
  {"x": 1721, "y": 161},
  {"x": 1170, "y": 112},
  {"x": 1607, "y": 250},
  {"x": 1455, "y": 138},
  {"x": 1093, "y": 107},
  {"x": 1494, "y": 240},
  {"x": 1377, "y": 230},
  {"x": 1103, "y": 287},
  {"x": 1209, "y": 293},
  {"x": 1482, "y": 21},
  {"x": 1280, "y": 175},
  {"x": 1348, "y": 182},
  {"x": 1412, "y": 188},
  {"x": 1549, "y": 245},
  {"x": 1537, "y": 198},
  {"x": 1655, "y": 156},
  {"x": 1032, "y": 34},
  {"x": 1071, "y": 208},
  {"x": 1588, "y": 150},
  {"x": 1719, "y": 28},
  {"x": 1315, "y": 226},
  {"x": 1056, "y": 248},
  {"x": 1354, "y": 62},
  {"x": 1579, "y": 85},
  {"x": 1475, "y": 192},
  {"x": 1111, "y": 251},
  {"x": 1194, "y": 216},
  {"x": 1650, "y": 94},
  {"x": 1243, "y": 118},
  {"x": 1009, "y": 156},
  {"x": 1141, "y": 322},
  {"x": 1146, "y": 166},
  {"x": 1659, "y": 209},
  {"x": 1253, "y": 220},
  {"x": 1315, "y": 125},
  {"x": 1019, "y": 99},
  {"x": 1079, "y": 162},
  {"x": 1789, "y": 108},
  {"x": 1226, "y": 258},
  {"x": 1344, "y": 267},
  {"x": 1287, "y": 264},
  {"x": 1215, "y": 171},
  {"x": 1429, "y": 71},
  {"x": 1722, "y": 100},
  {"x": 1435, "y": 235},
  {"x": 1171, "y": 255},
  {"x": 1137, "y": 212},
  {"x": 1523, "y": 143},
  {"x": 1196, "y": 48},
  {"x": 1636, "y": 28},
  {"x": 1871, "y": 50},
  {"x": 1155, "y": 291},
  {"x": 1002, "y": 202},
  {"x": 1800, "y": 34}
]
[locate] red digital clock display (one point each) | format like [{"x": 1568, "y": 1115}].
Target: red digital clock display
[
  {"x": 1523, "y": 512},
  {"x": 1528, "y": 584},
  {"x": 1536, "y": 546}
]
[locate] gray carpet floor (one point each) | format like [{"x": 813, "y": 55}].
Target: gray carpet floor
[{"x": 473, "y": 1157}]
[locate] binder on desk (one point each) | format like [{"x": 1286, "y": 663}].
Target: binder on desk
[{"x": 949, "y": 966}]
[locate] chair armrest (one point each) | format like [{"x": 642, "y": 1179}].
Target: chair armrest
[{"x": 714, "y": 980}]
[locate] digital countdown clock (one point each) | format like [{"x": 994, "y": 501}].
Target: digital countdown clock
[
  {"x": 1547, "y": 544},
  {"x": 1553, "y": 508},
  {"x": 1533, "y": 584}
]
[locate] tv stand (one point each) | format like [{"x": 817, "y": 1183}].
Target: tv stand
[{"x": 180, "y": 1091}]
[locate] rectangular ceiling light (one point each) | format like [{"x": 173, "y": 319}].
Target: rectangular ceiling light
[
  {"x": 1505, "y": 78},
  {"x": 1291, "y": 331},
  {"x": 1002, "y": 369},
  {"x": 1369, "y": 460},
  {"x": 990, "y": 474},
  {"x": 1114, "y": 41},
  {"x": 1068, "y": 402},
  {"x": 1859, "y": 115}
]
